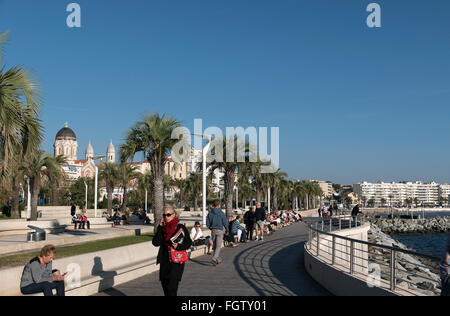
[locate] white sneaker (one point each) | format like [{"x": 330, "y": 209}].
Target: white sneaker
[
  {"x": 262, "y": 238},
  {"x": 256, "y": 238}
]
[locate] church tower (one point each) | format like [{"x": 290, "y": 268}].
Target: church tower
[
  {"x": 89, "y": 151},
  {"x": 66, "y": 143},
  {"x": 111, "y": 153}
]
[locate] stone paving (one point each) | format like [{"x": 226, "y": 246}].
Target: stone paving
[{"x": 273, "y": 267}]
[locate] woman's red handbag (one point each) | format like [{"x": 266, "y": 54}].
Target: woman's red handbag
[{"x": 177, "y": 256}]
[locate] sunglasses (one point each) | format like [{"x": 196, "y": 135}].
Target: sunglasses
[{"x": 167, "y": 215}]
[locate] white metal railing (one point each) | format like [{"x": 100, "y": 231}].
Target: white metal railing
[{"x": 387, "y": 267}]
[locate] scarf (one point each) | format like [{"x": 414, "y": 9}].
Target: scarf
[{"x": 169, "y": 230}]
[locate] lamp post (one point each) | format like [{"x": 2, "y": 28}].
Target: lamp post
[
  {"x": 145, "y": 200},
  {"x": 28, "y": 200},
  {"x": 86, "y": 195},
  {"x": 205, "y": 150},
  {"x": 96, "y": 183}
]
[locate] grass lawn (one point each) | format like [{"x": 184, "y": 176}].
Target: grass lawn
[
  {"x": 3, "y": 217},
  {"x": 62, "y": 252}
]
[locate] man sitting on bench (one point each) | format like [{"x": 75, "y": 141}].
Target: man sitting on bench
[{"x": 38, "y": 276}]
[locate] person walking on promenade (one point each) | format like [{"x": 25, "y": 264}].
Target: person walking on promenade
[
  {"x": 216, "y": 221},
  {"x": 445, "y": 272},
  {"x": 73, "y": 210},
  {"x": 260, "y": 217},
  {"x": 355, "y": 213},
  {"x": 38, "y": 276},
  {"x": 249, "y": 221},
  {"x": 173, "y": 240},
  {"x": 320, "y": 211}
]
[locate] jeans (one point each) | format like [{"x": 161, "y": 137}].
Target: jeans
[
  {"x": 217, "y": 238},
  {"x": 44, "y": 287}
]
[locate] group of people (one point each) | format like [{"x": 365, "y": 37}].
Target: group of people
[
  {"x": 259, "y": 222},
  {"x": 80, "y": 221},
  {"x": 329, "y": 211},
  {"x": 118, "y": 216}
]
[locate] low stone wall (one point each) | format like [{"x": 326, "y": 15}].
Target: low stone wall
[
  {"x": 20, "y": 226},
  {"x": 428, "y": 225},
  {"x": 18, "y": 247}
]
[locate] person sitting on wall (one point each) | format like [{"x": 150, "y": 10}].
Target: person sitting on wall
[
  {"x": 84, "y": 222},
  {"x": 38, "y": 276},
  {"x": 198, "y": 239}
]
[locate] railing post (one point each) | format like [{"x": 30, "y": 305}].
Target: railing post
[
  {"x": 331, "y": 225},
  {"x": 340, "y": 223},
  {"x": 352, "y": 256},
  {"x": 333, "y": 255},
  {"x": 318, "y": 243},
  {"x": 310, "y": 237},
  {"x": 323, "y": 224},
  {"x": 393, "y": 268}
]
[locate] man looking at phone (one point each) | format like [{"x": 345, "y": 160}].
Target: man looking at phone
[{"x": 38, "y": 276}]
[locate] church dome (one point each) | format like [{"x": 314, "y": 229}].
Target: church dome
[{"x": 66, "y": 133}]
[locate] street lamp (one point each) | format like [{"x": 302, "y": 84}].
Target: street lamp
[
  {"x": 96, "y": 183},
  {"x": 28, "y": 200},
  {"x": 205, "y": 150},
  {"x": 86, "y": 195}
]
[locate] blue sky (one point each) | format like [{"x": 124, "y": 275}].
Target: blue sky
[{"x": 352, "y": 103}]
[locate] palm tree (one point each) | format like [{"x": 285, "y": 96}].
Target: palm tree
[
  {"x": 153, "y": 137},
  {"x": 278, "y": 177},
  {"x": 144, "y": 184},
  {"x": 244, "y": 185},
  {"x": 55, "y": 177},
  {"x": 127, "y": 173},
  {"x": 109, "y": 174},
  {"x": 37, "y": 165},
  {"x": 181, "y": 185},
  {"x": 20, "y": 102},
  {"x": 194, "y": 184},
  {"x": 234, "y": 146}
]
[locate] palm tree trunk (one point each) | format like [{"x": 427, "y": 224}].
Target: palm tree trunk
[
  {"x": 35, "y": 186},
  {"x": 15, "y": 198},
  {"x": 125, "y": 198},
  {"x": 229, "y": 190},
  {"x": 54, "y": 193},
  {"x": 157, "y": 192},
  {"x": 110, "y": 200},
  {"x": 258, "y": 195},
  {"x": 195, "y": 202},
  {"x": 275, "y": 198}
]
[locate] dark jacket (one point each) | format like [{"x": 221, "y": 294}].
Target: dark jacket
[
  {"x": 249, "y": 218},
  {"x": 169, "y": 270},
  {"x": 216, "y": 219},
  {"x": 355, "y": 211},
  {"x": 260, "y": 214}
]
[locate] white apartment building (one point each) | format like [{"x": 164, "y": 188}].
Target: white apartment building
[
  {"x": 395, "y": 193},
  {"x": 327, "y": 188}
]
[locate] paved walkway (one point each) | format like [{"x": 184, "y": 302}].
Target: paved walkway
[{"x": 273, "y": 267}]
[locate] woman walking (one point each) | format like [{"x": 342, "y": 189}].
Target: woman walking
[{"x": 173, "y": 239}]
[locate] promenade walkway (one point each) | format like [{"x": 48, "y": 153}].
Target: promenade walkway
[{"x": 273, "y": 267}]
